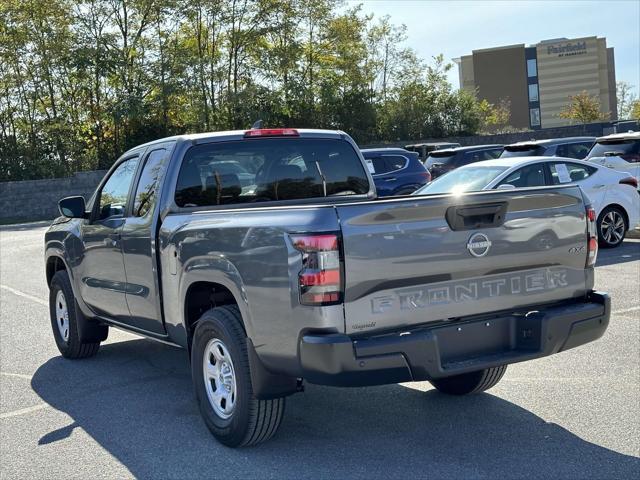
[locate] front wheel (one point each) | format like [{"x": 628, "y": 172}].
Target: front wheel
[
  {"x": 473, "y": 382},
  {"x": 222, "y": 382},
  {"x": 65, "y": 320},
  {"x": 612, "y": 227}
]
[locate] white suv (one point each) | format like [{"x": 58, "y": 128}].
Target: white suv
[{"x": 620, "y": 151}]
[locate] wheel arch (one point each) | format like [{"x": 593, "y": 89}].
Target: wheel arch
[
  {"x": 202, "y": 295},
  {"x": 54, "y": 263}
]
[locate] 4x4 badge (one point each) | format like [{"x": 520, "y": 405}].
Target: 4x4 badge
[{"x": 478, "y": 245}]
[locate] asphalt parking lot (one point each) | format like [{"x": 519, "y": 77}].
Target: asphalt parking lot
[{"x": 130, "y": 412}]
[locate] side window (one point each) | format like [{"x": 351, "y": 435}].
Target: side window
[
  {"x": 495, "y": 153},
  {"x": 578, "y": 150},
  {"x": 379, "y": 165},
  {"x": 562, "y": 151},
  {"x": 395, "y": 162},
  {"x": 146, "y": 192},
  {"x": 114, "y": 193},
  {"x": 569, "y": 172},
  {"x": 529, "y": 176},
  {"x": 471, "y": 157}
]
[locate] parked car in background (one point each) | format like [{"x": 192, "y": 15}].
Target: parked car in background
[
  {"x": 395, "y": 171},
  {"x": 620, "y": 151},
  {"x": 443, "y": 161},
  {"x": 570, "y": 147},
  {"x": 423, "y": 149},
  {"x": 612, "y": 193}
]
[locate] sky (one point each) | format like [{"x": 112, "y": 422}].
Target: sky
[{"x": 455, "y": 28}]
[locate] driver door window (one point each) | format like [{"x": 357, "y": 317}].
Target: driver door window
[{"x": 114, "y": 193}]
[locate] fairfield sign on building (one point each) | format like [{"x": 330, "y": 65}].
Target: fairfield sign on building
[{"x": 567, "y": 49}]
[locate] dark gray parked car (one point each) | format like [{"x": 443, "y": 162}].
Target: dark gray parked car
[
  {"x": 440, "y": 162},
  {"x": 305, "y": 275},
  {"x": 569, "y": 147}
]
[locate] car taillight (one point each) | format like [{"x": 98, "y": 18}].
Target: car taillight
[
  {"x": 592, "y": 241},
  {"x": 271, "y": 132},
  {"x": 426, "y": 175},
  {"x": 320, "y": 280},
  {"x": 629, "y": 181}
]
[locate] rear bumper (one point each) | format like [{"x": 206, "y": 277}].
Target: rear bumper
[{"x": 424, "y": 353}]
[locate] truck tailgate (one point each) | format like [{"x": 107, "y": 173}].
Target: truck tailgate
[{"x": 425, "y": 259}]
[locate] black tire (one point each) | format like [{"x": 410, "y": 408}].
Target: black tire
[
  {"x": 467, "y": 383},
  {"x": 610, "y": 228},
  {"x": 72, "y": 346},
  {"x": 251, "y": 421}
]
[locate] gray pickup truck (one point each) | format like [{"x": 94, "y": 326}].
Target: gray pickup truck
[{"x": 266, "y": 254}]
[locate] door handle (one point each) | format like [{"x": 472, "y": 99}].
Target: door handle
[
  {"x": 598, "y": 186},
  {"x": 390, "y": 179}
]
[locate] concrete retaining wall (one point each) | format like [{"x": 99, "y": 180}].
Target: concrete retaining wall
[{"x": 38, "y": 199}]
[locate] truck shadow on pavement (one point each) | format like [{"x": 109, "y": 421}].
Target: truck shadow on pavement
[{"x": 135, "y": 399}]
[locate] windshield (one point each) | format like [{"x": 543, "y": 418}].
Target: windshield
[
  {"x": 469, "y": 179},
  {"x": 522, "y": 151},
  {"x": 624, "y": 147}
]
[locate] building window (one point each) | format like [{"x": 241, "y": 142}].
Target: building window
[
  {"x": 534, "y": 113},
  {"x": 532, "y": 67},
  {"x": 533, "y": 92}
]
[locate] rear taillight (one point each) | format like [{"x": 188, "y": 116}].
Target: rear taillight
[
  {"x": 271, "y": 132},
  {"x": 320, "y": 280},
  {"x": 426, "y": 175},
  {"x": 629, "y": 181},
  {"x": 592, "y": 241}
]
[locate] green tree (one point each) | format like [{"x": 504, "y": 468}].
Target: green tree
[{"x": 583, "y": 108}]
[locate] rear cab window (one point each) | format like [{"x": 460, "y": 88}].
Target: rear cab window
[{"x": 269, "y": 169}]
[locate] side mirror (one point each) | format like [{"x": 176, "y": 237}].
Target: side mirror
[
  {"x": 72, "y": 207},
  {"x": 506, "y": 186}
]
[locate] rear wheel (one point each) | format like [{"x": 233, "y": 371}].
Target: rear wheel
[
  {"x": 222, "y": 382},
  {"x": 473, "y": 382},
  {"x": 65, "y": 319},
  {"x": 612, "y": 227}
]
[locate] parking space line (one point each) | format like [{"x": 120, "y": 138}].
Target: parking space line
[
  {"x": 19, "y": 375},
  {"x": 625, "y": 310},
  {"x": 23, "y": 411},
  {"x": 25, "y": 295}
]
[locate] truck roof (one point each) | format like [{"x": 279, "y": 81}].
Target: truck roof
[
  {"x": 620, "y": 136},
  {"x": 239, "y": 135}
]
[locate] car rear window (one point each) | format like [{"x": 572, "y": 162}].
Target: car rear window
[
  {"x": 522, "y": 151},
  {"x": 441, "y": 157},
  {"x": 268, "y": 169},
  {"x": 624, "y": 147}
]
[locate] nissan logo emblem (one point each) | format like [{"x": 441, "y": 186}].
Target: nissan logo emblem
[{"x": 478, "y": 245}]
